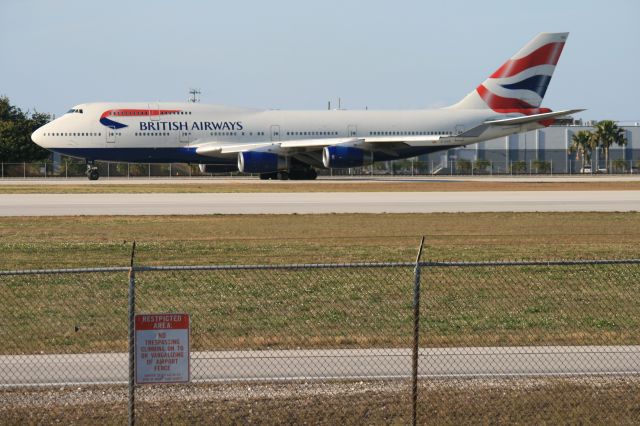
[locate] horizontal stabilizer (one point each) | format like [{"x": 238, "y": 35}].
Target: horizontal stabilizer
[{"x": 532, "y": 118}]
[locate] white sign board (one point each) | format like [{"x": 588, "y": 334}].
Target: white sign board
[{"x": 162, "y": 348}]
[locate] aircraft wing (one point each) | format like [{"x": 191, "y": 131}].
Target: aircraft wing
[
  {"x": 376, "y": 143},
  {"x": 222, "y": 148}
]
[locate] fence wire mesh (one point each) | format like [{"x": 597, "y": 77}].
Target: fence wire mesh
[
  {"x": 288, "y": 323},
  {"x": 535, "y": 342},
  {"x": 520, "y": 341}
]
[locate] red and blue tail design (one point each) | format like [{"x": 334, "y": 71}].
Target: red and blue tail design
[
  {"x": 520, "y": 84},
  {"x": 130, "y": 113}
]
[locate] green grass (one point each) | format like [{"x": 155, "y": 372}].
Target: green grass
[
  {"x": 330, "y": 308},
  {"x": 326, "y": 307},
  {"x": 46, "y": 242}
]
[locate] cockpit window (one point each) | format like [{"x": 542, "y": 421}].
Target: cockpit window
[{"x": 74, "y": 110}]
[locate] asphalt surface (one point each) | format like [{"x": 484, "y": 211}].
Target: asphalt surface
[
  {"x": 318, "y": 202},
  {"x": 220, "y": 180},
  {"x": 278, "y": 365}
]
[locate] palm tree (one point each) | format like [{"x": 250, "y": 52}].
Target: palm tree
[
  {"x": 606, "y": 134},
  {"x": 582, "y": 143}
]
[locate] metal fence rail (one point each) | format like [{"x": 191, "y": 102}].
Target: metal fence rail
[{"x": 484, "y": 327}]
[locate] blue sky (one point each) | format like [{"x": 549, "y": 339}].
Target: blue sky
[{"x": 300, "y": 54}]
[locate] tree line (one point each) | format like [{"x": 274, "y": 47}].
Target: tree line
[
  {"x": 604, "y": 134},
  {"x": 16, "y": 127}
]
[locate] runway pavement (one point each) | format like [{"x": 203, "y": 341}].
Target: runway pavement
[
  {"x": 317, "y": 202},
  {"x": 321, "y": 364},
  {"x": 322, "y": 180}
]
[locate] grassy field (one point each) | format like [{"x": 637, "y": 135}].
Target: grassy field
[
  {"x": 323, "y": 308},
  {"x": 329, "y": 308},
  {"x": 316, "y": 186},
  {"x": 54, "y": 242}
]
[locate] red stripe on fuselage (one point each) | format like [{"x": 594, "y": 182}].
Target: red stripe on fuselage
[
  {"x": 137, "y": 112},
  {"x": 545, "y": 55}
]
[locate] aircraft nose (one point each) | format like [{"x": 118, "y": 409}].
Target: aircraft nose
[{"x": 37, "y": 136}]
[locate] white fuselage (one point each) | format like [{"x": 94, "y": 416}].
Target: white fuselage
[{"x": 171, "y": 132}]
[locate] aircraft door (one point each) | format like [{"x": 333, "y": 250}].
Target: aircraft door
[
  {"x": 183, "y": 136},
  {"x": 275, "y": 133},
  {"x": 111, "y": 136},
  {"x": 352, "y": 130}
]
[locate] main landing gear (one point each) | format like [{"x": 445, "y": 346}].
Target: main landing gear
[
  {"x": 92, "y": 171},
  {"x": 293, "y": 174}
]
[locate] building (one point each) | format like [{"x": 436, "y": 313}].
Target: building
[{"x": 539, "y": 151}]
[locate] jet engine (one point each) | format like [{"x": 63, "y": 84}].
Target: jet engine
[
  {"x": 261, "y": 162},
  {"x": 341, "y": 156}
]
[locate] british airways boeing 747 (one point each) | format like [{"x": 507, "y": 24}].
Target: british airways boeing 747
[{"x": 293, "y": 144}]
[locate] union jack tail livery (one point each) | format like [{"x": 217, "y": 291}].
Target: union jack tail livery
[{"x": 520, "y": 83}]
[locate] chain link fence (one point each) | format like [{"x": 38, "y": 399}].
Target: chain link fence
[
  {"x": 408, "y": 167},
  {"x": 516, "y": 341}
]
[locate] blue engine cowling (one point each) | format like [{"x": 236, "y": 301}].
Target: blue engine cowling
[
  {"x": 337, "y": 156},
  {"x": 260, "y": 162}
]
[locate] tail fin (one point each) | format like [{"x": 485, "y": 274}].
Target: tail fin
[{"x": 521, "y": 82}]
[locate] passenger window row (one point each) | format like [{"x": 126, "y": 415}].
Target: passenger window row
[
  {"x": 312, "y": 133},
  {"x": 225, "y": 134},
  {"x": 72, "y": 134},
  {"x": 147, "y": 112},
  {"x": 152, "y": 133},
  {"x": 407, "y": 133}
]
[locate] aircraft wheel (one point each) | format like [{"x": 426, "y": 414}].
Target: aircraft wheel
[{"x": 94, "y": 175}]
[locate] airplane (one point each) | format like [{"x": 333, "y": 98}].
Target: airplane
[{"x": 294, "y": 144}]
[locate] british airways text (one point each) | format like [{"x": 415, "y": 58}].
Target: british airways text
[{"x": 196, "y": 125}]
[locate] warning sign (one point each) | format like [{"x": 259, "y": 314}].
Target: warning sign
[{"x": 162, "y": 348}]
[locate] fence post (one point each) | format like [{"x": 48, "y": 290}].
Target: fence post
[
  {"x": 132, "y": 355},
  {"x": 416, "y": 333}
]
